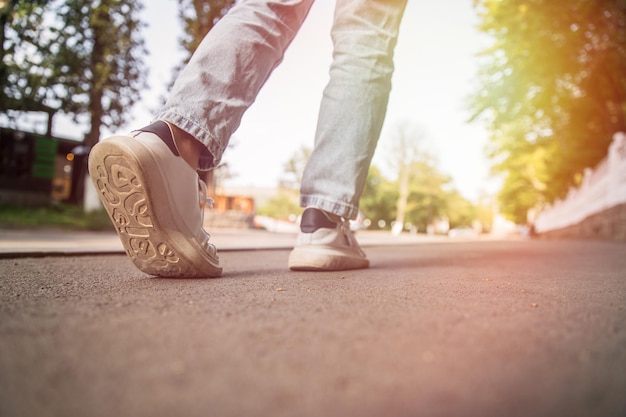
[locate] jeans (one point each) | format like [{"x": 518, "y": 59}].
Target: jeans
[{"x": 237, "y": 56}]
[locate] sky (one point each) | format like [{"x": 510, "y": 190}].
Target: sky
[{"x": 435, "y": 68}]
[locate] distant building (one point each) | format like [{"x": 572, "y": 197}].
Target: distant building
[
  {"x": 235, "y": 207},
  {"x": 38, "y": 168}
]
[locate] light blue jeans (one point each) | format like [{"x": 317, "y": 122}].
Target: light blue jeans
[{"x": 237, "y": 56}]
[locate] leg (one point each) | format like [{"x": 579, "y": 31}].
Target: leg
[
  {"x": 148, "y": 182},
  {"x": 354, "y": 104},
  {"x": 351, "y": 116},
  {"x": 229, "y": 68}
]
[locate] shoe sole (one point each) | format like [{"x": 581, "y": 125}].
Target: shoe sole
[
  {"x": 323, "y": 258},
  {"x": 147, "y": 227}
]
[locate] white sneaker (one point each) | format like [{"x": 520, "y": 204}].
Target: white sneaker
[
  {"x": 325, "y": 245},
  {"x": 153, "y": 199}
]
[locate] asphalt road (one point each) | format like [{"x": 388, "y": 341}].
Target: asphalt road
[{"x": 515, "y": 328}]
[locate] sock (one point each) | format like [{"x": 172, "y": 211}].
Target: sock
[
  {"x": 162, "y": 130},
  {"x": 314, "y": 218}
]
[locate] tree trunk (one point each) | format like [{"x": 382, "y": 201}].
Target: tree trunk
[{"x": 402, "y": 200}]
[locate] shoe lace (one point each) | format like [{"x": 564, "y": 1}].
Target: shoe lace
[
  {"x": 349, "y": 236},
  {"x": 205, "y": 201}
]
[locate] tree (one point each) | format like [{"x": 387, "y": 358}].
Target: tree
[
  {"x": 294, "y": 169},
  {"x": 198, "y": 17},
  {"x": 282, "y": 206},
  {"x": 100, "y": 59},
  {"x": 552, "y": 91},
  {"x": 83, "y": 57},
  {"x": 485, "y": 212},
  {"x": 286, "y": 203},
  {"x": 428, "y": 198},
  {"x": 408, "y": 158},
  {"x": 21, "y": 23},
  {"x": 378, "y": 201},
  {"x": 459, "y": 211}
]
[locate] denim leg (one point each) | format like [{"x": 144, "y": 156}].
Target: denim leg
[
  {"x": 229, "y": 68},
  {"x": 354, "y": 103}
]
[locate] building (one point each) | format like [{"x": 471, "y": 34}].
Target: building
[{"x": 37, "y": 169}]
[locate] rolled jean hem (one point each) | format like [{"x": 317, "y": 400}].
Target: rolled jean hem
[{"x": 346, "y": 211}]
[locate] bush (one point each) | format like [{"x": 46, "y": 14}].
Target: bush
[{"x": 58, "y": 215}]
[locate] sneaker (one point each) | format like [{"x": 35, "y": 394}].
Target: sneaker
[
  {"x": 154, "y": 201},
  {"x": 325, "y": 245}
]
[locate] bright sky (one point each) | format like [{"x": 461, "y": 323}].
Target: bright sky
[{"x": 435, "y": 66}]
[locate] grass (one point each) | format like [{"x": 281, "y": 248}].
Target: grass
[{"x": 62, "y": 216}]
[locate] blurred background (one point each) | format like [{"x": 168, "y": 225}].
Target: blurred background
[{"x": 504, "y": 116}]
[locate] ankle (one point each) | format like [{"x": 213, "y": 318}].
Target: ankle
[{"x": 189, "y": 147}]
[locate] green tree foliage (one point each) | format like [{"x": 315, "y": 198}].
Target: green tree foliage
[
  {"x": 421, "y": 196},
  {"x": 419, "y": 193},
  {"x": 378, "y": 201},
  {"x": 84, "y": 57},
  {"x": 286, "y": 203},
  {"x": 294, "y": 169},
  {"x": 485, "y": 210},
  {"x": 552, "y": 90},
  {"x": 429, "y": 195},
  {"x": 198, "y": 18},
  {"x": 104, "y": 40},
  {"x": 459, "y": 211},
  {"x": 19, "y": 36},
  {"x": 406, "y": 154},
  {"x": 428, "y": 199},
  {"x": 282, "y": 206}
]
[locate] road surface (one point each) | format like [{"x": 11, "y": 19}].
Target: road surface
[{"x": 467, "y": 328}]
